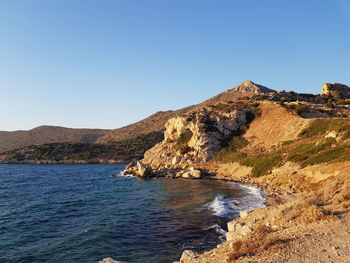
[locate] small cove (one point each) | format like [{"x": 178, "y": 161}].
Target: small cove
[{"x": 82, "y": 213}]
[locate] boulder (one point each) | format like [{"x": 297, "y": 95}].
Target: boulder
[
  {"x": 245, "y": 230},
  {"x": 194, "y": 174},
  {"x": 176, "y": 160},
  {"x": 179, "y": 173},
  {"x": 231, "y": 236},
  {"x": 334, "y": 89},
  {"x": 187, "y": 255},
  {"x": 244, "y": 213},
  {"x": 237, "y": 230},
  {"x": 131, "y": 168},
  {"x": 331, "y": 134},
  {"x": 109, "y": 260},
  {"x": 143, "y": 170},
  {"x": 186, "y": 175}
]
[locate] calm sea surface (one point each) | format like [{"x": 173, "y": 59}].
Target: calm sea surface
[{"x": 82, "y": 213}]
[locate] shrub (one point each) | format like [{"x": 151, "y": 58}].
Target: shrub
[
  {"x": 330, "y": 104},
  {"x": 229, "y": 152},
  {"x": 182, "y": 141},
  {"x": 300, "y": 108},
  {"x": 283, "y": 100},
  {"x": 263, "y": 163},
  {"x": 340, "y": 153},
  {"x": 305, "y": 151},
  {"x": 321, "y": 126}
]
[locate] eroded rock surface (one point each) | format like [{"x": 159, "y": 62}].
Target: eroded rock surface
[{"x": 195, "y": 137}]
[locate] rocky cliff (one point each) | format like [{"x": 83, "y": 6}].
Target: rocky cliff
[
  {"x": 195, "y": 137},
  {"x": 336, "y": 89}
]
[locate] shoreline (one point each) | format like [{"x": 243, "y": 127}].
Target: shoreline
[{"x": 294, "y": 215}]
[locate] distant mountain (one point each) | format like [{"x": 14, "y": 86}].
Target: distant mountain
[{"x": 47, "y": 134}]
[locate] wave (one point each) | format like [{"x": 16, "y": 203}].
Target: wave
[
  {"x": 123, "y": 174},
  {"x": 253, "y": 199},
  {"x": 227, "y": 207},
  {"x": 220, "y": 206}
]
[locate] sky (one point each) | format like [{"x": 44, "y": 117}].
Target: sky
[{"x": 109, "y": 63}]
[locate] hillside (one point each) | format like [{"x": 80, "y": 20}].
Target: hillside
[
  {"x": 153, "y": 123},
  {"x": 64, "y": 152},
  {"x": 53, "y": 134},
  {"x": 297, "y": 151},
  {"x": 247, "y": 92},
  {"x": 47, "y": 134},
  {"x": 10, "y": 141}
]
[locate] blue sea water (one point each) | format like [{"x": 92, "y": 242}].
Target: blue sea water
[{"x": 82, "y": 213}]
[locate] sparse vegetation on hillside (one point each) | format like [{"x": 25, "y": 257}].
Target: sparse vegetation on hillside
[
  {"x": 263, "y": 163},
  {"x": 121, "y": 151},
  {"x": 321, "y": 126},
  {"x": 310, "y": 148},
  {"x": 182, "y": 141}
]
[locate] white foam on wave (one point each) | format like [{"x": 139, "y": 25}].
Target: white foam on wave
[
  {"x": 221, "y": 206},
  {"x": 217, "y": 229},
  {"x": 123, "y": 174},
  {"x": 227, "y": 207},
  {"x": 253, "y": 199}
]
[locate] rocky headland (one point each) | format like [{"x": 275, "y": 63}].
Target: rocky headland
[{"x": 294, "y": 146}]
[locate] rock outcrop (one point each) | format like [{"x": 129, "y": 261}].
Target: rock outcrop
[
  {"x": 251, "y": 87},
  {"x": 192, "y": 138},
  {"x": 196, "y": 136},
  {"x": 336, "y": 89},
  {"x": 109, "y": 260}
]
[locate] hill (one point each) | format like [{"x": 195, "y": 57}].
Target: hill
[
  {"x": 154, "y": 124},
  {"x": 10, "y": 141},
  {"x": 47, "y": 134}
]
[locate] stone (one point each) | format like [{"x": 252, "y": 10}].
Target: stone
[
  {"x": 331, "y": 134},
  {"x": 109, "y": 260},
  {"x": 176, "y": 160},
  {"x": 194, "y": 174},
  {"x": 231, "y": 226},
  {"x": 244, "y": 213},
  {"x": 143, "y": 170},
  {"x": 186, "y": 175},
  {"x": 179, "y": 173},
  {"x": 246, "y": 230},
  {"x": 231, "y": 236},
  {"x": 329, "y": 89},
  {"x": 187, "y": 255}
]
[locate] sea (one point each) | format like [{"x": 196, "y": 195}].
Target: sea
[{"x": 83, "y": 213}]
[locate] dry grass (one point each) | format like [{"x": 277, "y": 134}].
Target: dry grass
[{"x": 262, "y": 238}]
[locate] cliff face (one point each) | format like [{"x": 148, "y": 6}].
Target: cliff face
[{"x": 195, "y": 137}]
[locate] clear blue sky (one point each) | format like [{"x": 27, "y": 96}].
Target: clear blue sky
[{"x": 108, "y": 63}]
